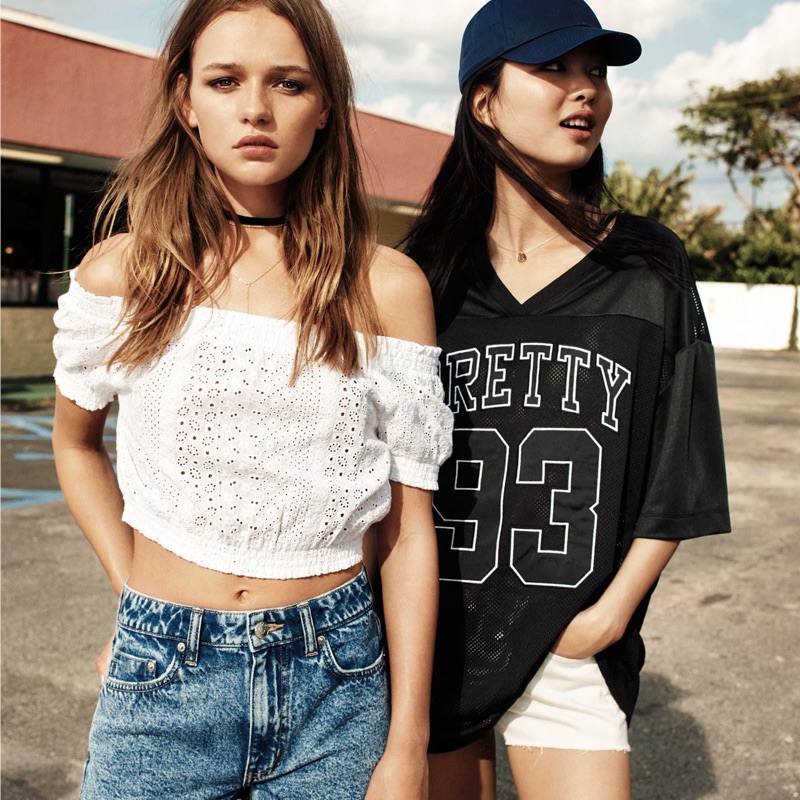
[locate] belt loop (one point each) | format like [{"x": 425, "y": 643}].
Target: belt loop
[
  {"x": 193, "y": 640},
  {"x": 309, "y": 632}
]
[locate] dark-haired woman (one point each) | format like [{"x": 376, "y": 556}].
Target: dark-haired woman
[
  {"x": 274, "y": 404},
  {"x": 587, "y": 442}
]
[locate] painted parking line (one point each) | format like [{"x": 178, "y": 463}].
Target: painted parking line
[
  {"x": 17, "y": 498},
  {"x": 41, "y": 428},
  {"x": 38, "y": 428},
  {"x": 23, "y": 428}
]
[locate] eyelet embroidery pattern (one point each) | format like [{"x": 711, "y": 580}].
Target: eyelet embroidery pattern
[
  {"x": 225, "y": 464},
  {"x": 84, "y": 341}
]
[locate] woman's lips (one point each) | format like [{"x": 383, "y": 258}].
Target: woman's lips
[
  {"x": 579, "y": 126},
  {"x": 255, "y": 145}
]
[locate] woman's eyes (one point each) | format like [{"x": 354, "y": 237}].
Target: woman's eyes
[
  {"x": 295, "y": 87},
  {"x": 222, "y": 83},
  {"x": 560, "y": 66},
  {"x": 285, "y": 84}
]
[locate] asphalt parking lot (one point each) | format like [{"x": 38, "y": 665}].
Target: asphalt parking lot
[{"x": 718, "y": 714}]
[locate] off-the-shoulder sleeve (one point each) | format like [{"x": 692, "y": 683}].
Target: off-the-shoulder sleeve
[
  {"x": 85, "y": 339},
  {"x": 686, "y": 493},
  {"x": 413, "y": 419}
]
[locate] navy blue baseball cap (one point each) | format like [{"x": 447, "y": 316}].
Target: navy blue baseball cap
[{"x": 537, "y": 31}]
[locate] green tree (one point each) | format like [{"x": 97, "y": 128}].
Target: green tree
[
  {"x": 660, "y": 196},
  {"x": 769, "y": 255},
  {"x": 753, "y": 128},
  {"x": 665, "y": 198}
]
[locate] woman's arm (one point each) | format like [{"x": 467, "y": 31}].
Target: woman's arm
[
  {"x": 407, "y": 555},
  {"x": 409, "y": 578},
  {"x": 90, "y": 486},
  {"x": 604, "y": 623},
  {"x": 83, "y": 465}
]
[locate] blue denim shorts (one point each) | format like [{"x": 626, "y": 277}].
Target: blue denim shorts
[{"x": 287, "y": 703}]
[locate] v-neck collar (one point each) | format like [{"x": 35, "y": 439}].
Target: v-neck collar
[{"x": 584, "y": 274}]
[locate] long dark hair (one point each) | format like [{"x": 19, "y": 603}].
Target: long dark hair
[{"x": 458, "y": 207}]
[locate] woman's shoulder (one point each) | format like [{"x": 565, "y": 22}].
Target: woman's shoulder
[
  {"x": 392, "y": 270},
  {"x": 649, "y": 230},
  {"x": 643, "y": 242},
  {"x": 101, "y": 272},
  {"x": 402, "y": 297}
]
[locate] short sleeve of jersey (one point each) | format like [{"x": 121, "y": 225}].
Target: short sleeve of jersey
[
  {"x": 413, "y": 419},
  {"x": 86, "y": 329},
  {"x": 686, "y": 488}
]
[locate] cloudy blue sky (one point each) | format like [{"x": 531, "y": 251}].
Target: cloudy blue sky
[{"x": 405, "y": 58}]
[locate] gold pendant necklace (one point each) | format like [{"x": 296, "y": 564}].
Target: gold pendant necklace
[
  {"x": 522, "y": 255},
  {"x": 247, "y": 284}
]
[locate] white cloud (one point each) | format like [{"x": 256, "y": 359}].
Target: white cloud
[
  {"x": 397, "y": 106},
  {"x": 645, "y": 19},
  {"x": 411, "y": 20},
  {"x": 410, "y": 46},
  {"x": 439, "y": 116},
  {"x": 647, "y": 111},
  {"x": 761, "y": 53},
  {"x": 641, "y": 129},
  {"x": 419, "y": 67}
]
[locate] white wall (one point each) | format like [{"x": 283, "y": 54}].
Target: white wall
[
  {"x": 739, "y": 317},
  {"x": 749, "y": 317}
]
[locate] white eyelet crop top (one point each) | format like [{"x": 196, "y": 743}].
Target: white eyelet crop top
[{"x": 220, "y": 461}]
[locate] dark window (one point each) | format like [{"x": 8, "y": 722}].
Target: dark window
[{"x": 46, "y": 226}]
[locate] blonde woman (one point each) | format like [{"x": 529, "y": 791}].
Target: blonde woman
[{"x": 274, "y": 404}]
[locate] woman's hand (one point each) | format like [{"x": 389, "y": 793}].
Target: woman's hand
[
  {"x": 589, "y": 632},
  {"x": 103, "y": 661},
  {"x": 604, "y": 623},
  {"x": 400, "y": 775},
  {"x": 406, "y": 544}
]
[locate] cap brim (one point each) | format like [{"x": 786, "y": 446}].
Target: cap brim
[{"x": 617, "y": 48}]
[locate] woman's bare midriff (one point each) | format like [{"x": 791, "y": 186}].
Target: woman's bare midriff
[{"x": 161, "y": 574}]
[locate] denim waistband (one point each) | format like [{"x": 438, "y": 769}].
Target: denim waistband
[{"x": 256, "y": 629}]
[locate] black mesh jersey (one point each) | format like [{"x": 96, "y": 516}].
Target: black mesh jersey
[{"x": 583, "y": 417}]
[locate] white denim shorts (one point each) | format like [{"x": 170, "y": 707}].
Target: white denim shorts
[{"x": 567, "y": 705}]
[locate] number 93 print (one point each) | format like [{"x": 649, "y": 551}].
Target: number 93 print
[{"x": 556, "y": 485}]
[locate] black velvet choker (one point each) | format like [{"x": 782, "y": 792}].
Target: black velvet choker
[{"x": 259, "y": 222}]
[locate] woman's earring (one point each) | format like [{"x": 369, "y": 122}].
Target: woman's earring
[{"x": 323, "y": 121}]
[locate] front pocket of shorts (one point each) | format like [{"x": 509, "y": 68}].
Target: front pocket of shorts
[
  {"x": 142, "y": 662},
  {"x": 354, "y": 649}
]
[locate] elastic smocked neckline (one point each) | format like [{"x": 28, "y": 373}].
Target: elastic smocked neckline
[{"x": 244, "y": 321}]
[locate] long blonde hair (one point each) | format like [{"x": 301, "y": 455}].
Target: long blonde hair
[{"x": 182, "y": 244}]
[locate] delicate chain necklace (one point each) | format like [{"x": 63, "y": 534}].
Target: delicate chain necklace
[
  {"x": 247, "y": 284},
  {"x": 522, "y": 255}
]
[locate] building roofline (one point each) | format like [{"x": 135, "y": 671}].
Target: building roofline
[
  {"x": 412, "y": 123},
  {"x": 51, "y": 26},
  {"x": 399, "y": 157}
]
